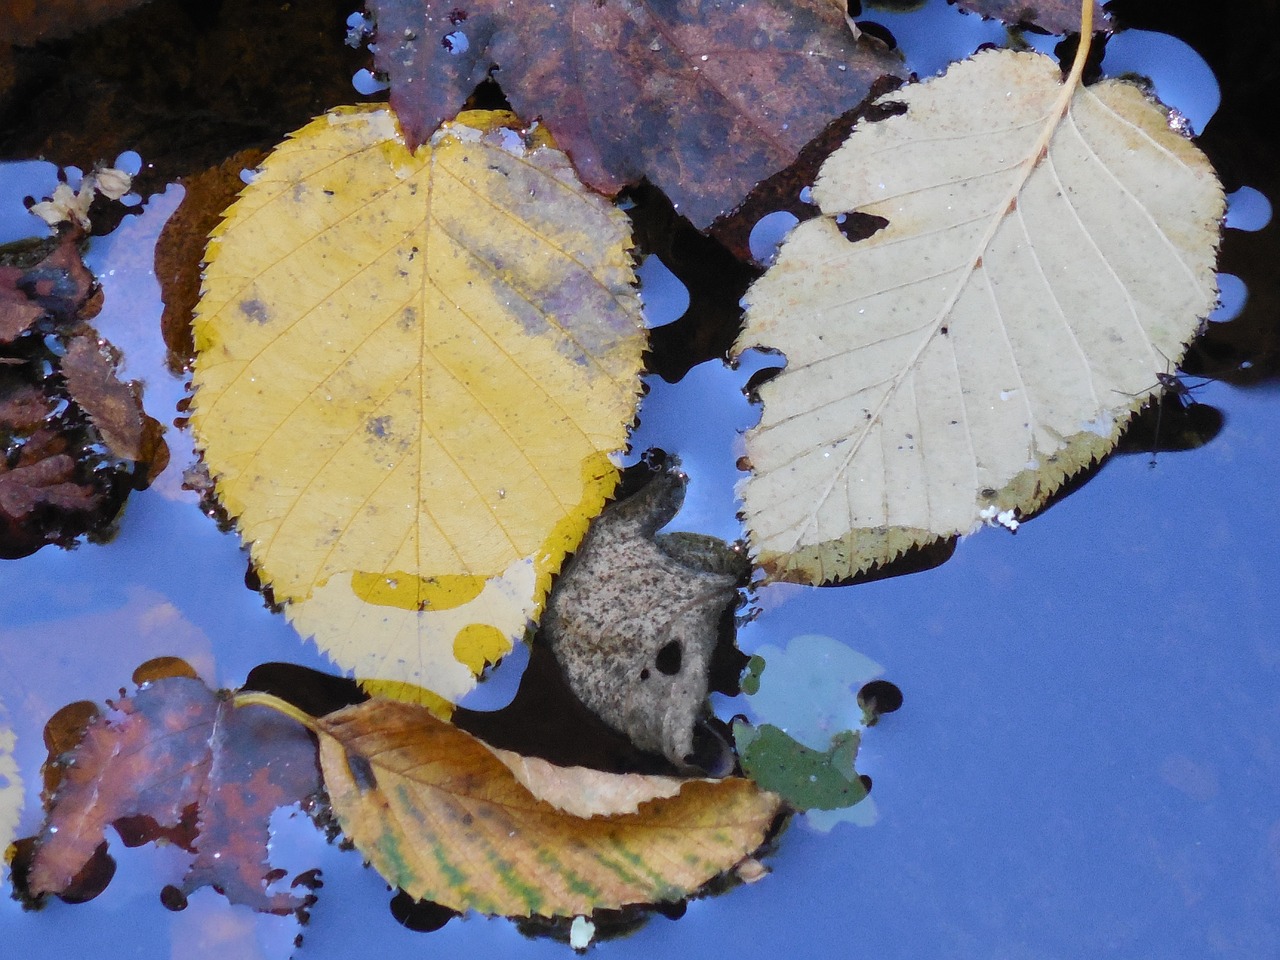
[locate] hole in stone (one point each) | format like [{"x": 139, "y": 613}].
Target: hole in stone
[{"x": 668, "y": 658}]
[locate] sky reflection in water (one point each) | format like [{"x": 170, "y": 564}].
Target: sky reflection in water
[{"x": 1084, "y": 765}]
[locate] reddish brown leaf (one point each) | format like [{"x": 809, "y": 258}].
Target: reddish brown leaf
[
  {"x": 180, "y": 251},
  {"x": 114, "y": 407},
  {"x": 59, "y": 285},
  {"x": 1053, "y": 16},
  {"x": 177, "y": 762},
  {"x": 23, "y": 408},
  {"x": 43, "y": 498},
  {"x": 17, "y": 312},
  {"x": 43, "y": 476},
  {"x": 703, "y": 98}
]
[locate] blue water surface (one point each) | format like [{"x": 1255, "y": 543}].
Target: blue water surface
[{"x": 1087, "y": 763}]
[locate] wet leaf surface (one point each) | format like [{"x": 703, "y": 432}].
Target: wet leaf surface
[
  {"x": 113, "y": 406},
  {"x": 481, "y": 349},
  {"x": 1051, "y": 16},
  {"x": 958, "y": 365},
  {"x": 179, "y": 255},
  {"x": 75, "y": 438},
  {"x": 736, "y": 88},
  {"x": 444, "y": 819},
  {"x": 177, "y": 763}
]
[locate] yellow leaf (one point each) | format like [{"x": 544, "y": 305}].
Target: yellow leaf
[
  {"x": 441, "y": 816},
  {"x": 10, "y": 783},
  {"x": 412, "y": 370},
  {"x": 1049, "y": 252}
]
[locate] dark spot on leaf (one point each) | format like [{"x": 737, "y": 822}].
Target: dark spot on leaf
[
  {"x": 255, "y": 310},
  {"x": 362, "y": 772},
  {"x": 379, "y": 427},
  {"x": 879, "y": 32},
  {"x": 644, "y": 674}
]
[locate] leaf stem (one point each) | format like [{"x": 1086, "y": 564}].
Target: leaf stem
[
  {"x": 1086, "y": 41},
  {"x": 254, "y": 698}
]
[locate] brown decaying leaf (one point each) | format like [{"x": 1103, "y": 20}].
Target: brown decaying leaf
[
  {"x": 17, "y": 312},
  {"x": 703, "y": 98},
  {"x": 583, "y": 792},
  {"x": 42, "y": 476},
  {"x": 23, "y": 408},
  {"x": 180, "y": 251},
  {"x": 60, "y": 290},
  {"x": 441, "y": 817},
  {"x": 115, "y": 407},
  {"x": 1053, "y": 16},
  {"x": 58, "y": 285},
  {"x": 177, "y": 762}
]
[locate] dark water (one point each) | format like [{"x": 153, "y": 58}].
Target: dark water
[{"x": 1087, "y": 764}]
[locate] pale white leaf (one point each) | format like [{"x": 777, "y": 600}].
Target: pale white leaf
[{"x": 1047, "y": 255}]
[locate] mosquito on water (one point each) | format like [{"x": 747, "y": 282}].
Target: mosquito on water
[{"x": 1170, "y": 384}]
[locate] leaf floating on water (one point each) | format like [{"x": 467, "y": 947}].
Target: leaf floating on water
[
  {"x": 1037, "y": 274},
  {"x": 439, "y": 815},
  {"x": 176, "y": 762},
  {"x": 1054, "y": 16},
  {"x": 412, "y": 368},
  {"x": 737, "y": 87},
  {"x": 583, "y": 792}
]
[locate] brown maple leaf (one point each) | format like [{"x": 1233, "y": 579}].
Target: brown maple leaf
[{"x": 703, "y": 98}]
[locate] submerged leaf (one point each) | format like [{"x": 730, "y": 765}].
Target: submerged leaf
[
  {"x": 1037, "y": 274},
  {"x": 806, "y": 778},
  {"x": 412, "y": 368},
  {"x": 444, "y": 819},
  {"x": 176, "y": 762},
  {"x": 114, "y": 406},
  {"x": 704, "y": 99}
]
